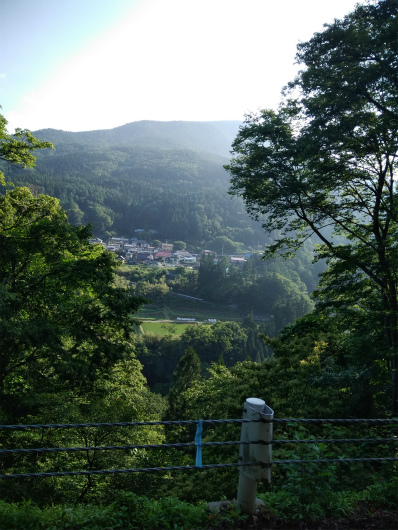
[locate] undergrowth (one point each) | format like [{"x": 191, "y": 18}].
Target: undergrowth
[
  {"x": 335, "y": 503},
  {"x": 128, "y": 512},
  {"x": 132, "y": 512}
]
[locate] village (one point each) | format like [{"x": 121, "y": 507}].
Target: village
[{"x": 134, "y": 251}]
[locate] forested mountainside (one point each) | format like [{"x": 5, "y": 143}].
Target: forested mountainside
[
  {"x": 210, "y": 137},
  {"x": 166, "y": 177}
]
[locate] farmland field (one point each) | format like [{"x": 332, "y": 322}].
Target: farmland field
[{"x": 164, "y": 328}]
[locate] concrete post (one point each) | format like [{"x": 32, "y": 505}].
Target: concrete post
[{"x": 254, "y": 408}]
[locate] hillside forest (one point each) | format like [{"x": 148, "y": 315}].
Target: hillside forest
[
  {"x": 163, "y": 178},
  {"x": 305, "y": 195}
]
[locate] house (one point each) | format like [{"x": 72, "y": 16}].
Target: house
[
  {"x": 167, "y": 246},
  {"x": 182, "y": 256},
  {"x": 237, "y": 262},
  {"x": 162, "y": 254},
  {"x": 144, "y": 257},
  {"x": 141, "y": 243},
  {"x": 118, "y": 240}
]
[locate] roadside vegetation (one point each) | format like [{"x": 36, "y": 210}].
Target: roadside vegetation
[
  {"x": 370, "y": 508},
  {"x": 314, "y": 342}
]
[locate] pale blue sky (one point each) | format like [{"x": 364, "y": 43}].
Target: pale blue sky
[{"x": 97, "y": 64}]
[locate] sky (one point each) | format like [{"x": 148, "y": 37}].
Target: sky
[{"x": 80, "y": 65}]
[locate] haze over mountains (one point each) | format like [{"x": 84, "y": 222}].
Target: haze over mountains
[
  {"x": 208, "y": 136},
  {"x": 166, "y": 177}
]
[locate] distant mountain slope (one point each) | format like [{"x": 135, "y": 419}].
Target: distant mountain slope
[
  {"x": 150, "y": 175},
  {"x": 213, "y": 137},
  {"x": 164, "y": 178}
]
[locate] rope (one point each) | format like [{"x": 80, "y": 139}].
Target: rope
[
  {"x": 165, "y": 446},
  {"x": 187, "y": 468},
  {"x": 116, "y": 471},
  {"x": 334, "y": 441},
  {"x": 329, "y": 460},
  {"x": 118, "y": 447},
  {"x": 198, "y": 443},
  {"x": 351, "y": 420},
  {"x": 118, "y": 424},
  {"x": 192, "y": 422}
]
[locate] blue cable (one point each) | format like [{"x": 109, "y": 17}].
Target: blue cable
[{"x": 198, "y": 443}]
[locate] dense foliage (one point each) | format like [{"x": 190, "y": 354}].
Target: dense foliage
[
  {"x": 61, "y": 319},
  {"x": 71, "y": 348},
  {"x": 263, "y": 301},
  {"x": 66, "y": 347},
  {"x": 370, "y": 508},
  {"x": 328, "y": 158},
  {"x": 18, "y": 148}
]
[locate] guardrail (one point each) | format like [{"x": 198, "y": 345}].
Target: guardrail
[{"x": 255, "y": 445}]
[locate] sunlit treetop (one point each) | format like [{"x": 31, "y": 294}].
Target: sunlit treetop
[{"x": 18, "y": 148}]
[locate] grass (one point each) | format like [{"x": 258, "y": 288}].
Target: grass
[
  {"x": 152, "y": 313},
  {"x": 182, "y": 308},
  {"x": 200, "y": 312},
  {"x": 163, "y": 328},
  {"x": 131, "y": 511},
  {"x": 179, "y": 307}
]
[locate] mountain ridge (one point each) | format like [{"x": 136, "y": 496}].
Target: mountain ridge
[
  {"x": 151, "y": 175},
  {"x": 215, "y": 137}
]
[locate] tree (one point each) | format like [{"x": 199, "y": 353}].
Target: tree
[
  {"x": 62, "y": 320},
  {"x": 224, "y": 245},
  {"x": 226, "y": 339},
  {"x": 324, "y": 165},
  {"x": 121, "y": 395},
  {"x": 154, "y": 292},
  {"x": 276, "y": 295},
  {"x": 179, "y": 245},
  {"x": 18, "y": 148},
  {"x": 187, "y": 373}
]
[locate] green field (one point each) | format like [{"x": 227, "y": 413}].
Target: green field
[
  {"x": 154, "y": 317},
  {"x": 164, "y": 328},
  {"x": 180, "y": 308}
]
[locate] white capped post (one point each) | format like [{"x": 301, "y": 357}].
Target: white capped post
[{"x": 254, "y": 409}]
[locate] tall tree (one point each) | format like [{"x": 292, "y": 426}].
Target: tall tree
[
  {"x": 325, "y": 163},
  {"x": 187, "y": 373},
  {"x": 62, "y": 320}
]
